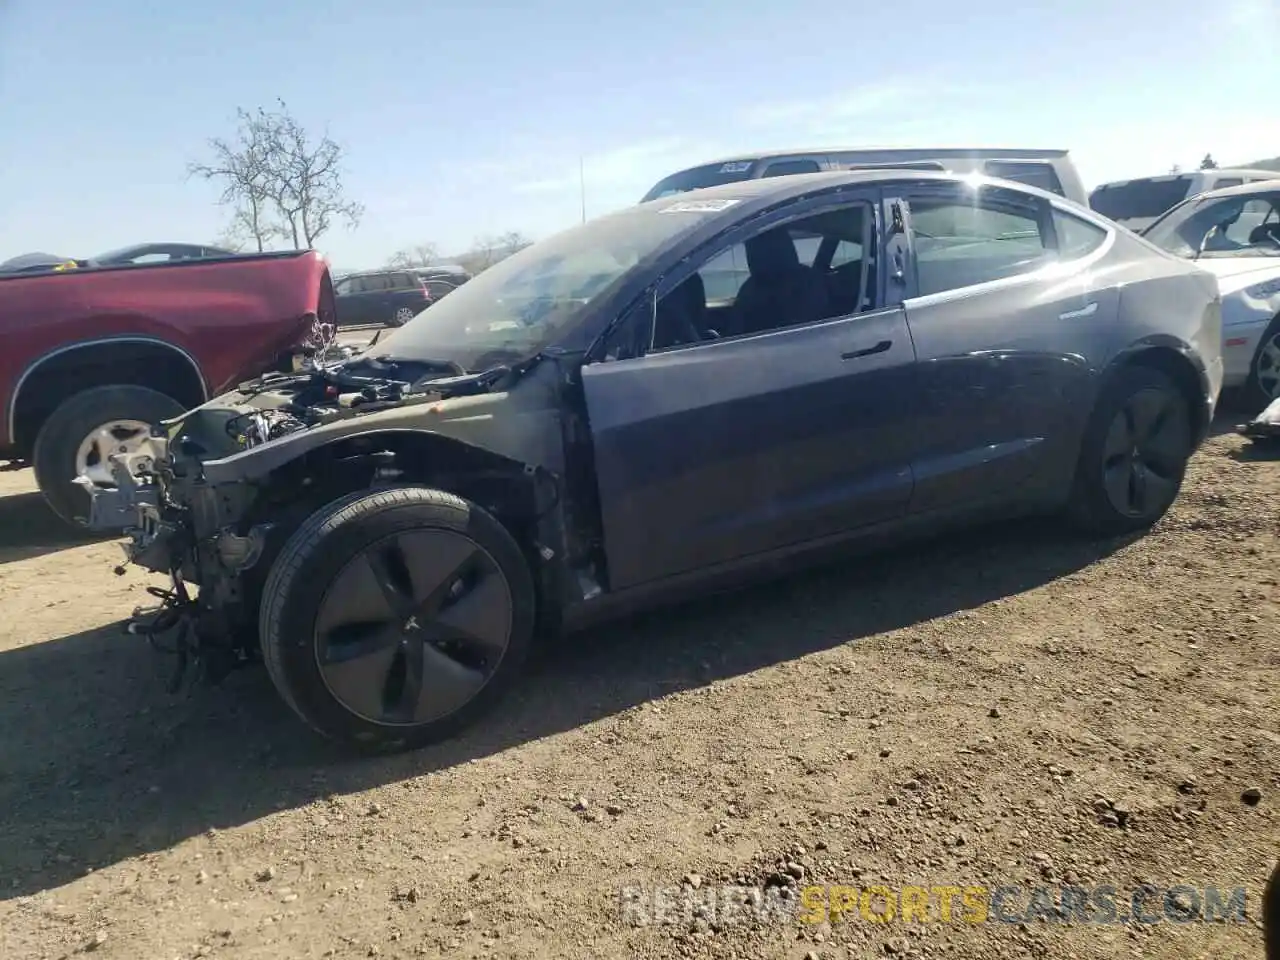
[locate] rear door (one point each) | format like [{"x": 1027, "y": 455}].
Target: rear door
[
  {"x": 1005, "y": 310},
  {"x": 734, "y": 447}
]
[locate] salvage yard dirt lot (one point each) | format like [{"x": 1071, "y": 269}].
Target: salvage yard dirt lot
[{"x": 1005, "y": 707}]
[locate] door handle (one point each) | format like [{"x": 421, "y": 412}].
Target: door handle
[
  {"x": 880, "y": 347},
  {"x": 1088, "y": 310}
]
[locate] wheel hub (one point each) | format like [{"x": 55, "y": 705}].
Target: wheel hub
[
  {"x": 1267, "y": 367},
  {"x": 93, "y": 456},
  {"x": 413, "y": 627},
  {"x": 1143, "y": 453}
]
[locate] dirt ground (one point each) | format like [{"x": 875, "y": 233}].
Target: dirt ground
[{"x": 1006, "y": 707}]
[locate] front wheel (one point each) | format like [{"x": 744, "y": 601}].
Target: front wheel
[
  {"x": 396, "y": 618},
  {"x": 1134, "y": 454}
]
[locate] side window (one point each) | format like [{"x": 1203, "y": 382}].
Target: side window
[
  {"x": 961, "y": 240},
  {"x": 1253, "y": 214},
  {"x": 786, "y": 167},
  {"x": 724, "y": 274},
  {"x": 1076, "y": 238},
  {"x": 376, "y": 284},
  {"x": 344, "y": 287},
  {"x": 847, "y": 251},
  {"x": 773, "y": 280},
  {"x": 1032, "y": 173},
  {"x": 1226, "y": 182}
]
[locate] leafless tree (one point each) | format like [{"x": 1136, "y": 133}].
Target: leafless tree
[
  {"x": 488, "y": 250},
  {"x": 1175, "y": 169},
  {"x": 243, "y": 167},
  {"x": 282, "y": 182},
  {"x": 420, "y": 255}
]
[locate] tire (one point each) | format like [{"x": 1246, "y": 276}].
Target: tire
[
  {"x": 334, "y": 553},
  {"x": 1263, "y": 369},
  {"x": 72, "y": 424},
  {"x": 401, "y": 317},
  {"x": 1163, "y": 453}
]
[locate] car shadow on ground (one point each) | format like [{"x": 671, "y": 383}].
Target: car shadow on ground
[
  {"x": 97, "y": 764},
  {"x": 28, "y": 528}
]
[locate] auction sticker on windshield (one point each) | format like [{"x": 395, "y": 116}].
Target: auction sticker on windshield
[{"x": 699, "y": 206}]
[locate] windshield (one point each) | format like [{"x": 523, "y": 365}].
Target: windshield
[
  {"x": 519, "y": 306},
  {"x": 1247, "y": 225},
  {"x": 1139, "y": 199},
  {"x": 712, "y": 175}
]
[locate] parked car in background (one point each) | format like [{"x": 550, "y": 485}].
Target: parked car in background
[
  {"x": 1235, "y": 235},
  {"x": 577, "y": 432},
  {"x": 442, "y": 280},
  {"x": 390, "y": 297},
  {"x": 450, "y": 273},
  {"x": 137, "y": 254},
  {"x": 1137, "y": 203},
  {"x": 160, "y": 253},
  {"x": 92, "y": 357},
  {"x": 35, "y": 263},
  {"x": 1051, "y": 170}
]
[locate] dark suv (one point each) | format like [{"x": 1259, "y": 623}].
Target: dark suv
[{"x": 393, "y": 297}]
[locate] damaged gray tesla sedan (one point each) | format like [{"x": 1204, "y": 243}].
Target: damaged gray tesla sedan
[{"x": 656, "y": 402}]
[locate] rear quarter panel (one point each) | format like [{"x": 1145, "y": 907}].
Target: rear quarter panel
[{"x": 1168, "y": 302}]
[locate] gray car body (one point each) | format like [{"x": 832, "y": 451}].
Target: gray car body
[{"x": 715, "y": 457}]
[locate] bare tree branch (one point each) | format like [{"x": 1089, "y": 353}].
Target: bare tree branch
[
  {"x": 420, "y": 255},
  {"x": 280, "y": 182}
]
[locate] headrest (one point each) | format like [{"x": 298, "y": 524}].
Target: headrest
[{"x": 772, "y": 254}]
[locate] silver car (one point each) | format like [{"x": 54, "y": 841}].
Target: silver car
[
  {"x": 1235, "y": 235},
  {"x": 584, "y": 428}
]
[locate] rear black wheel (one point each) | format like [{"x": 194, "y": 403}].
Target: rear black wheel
[
  {"x": 1134, "y": 455},
  {"x": 396, "y": 618}
]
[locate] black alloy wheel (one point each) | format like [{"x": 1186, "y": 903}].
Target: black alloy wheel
[
  {"x": 1133, "y": 455},
  {"x": 413, "y": 627},
  {"x": 1145, "y": 453},
  {"x": 397, "y": 617}
]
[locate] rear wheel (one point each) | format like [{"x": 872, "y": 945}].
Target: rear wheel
[
  {"x": 402, "y": 316},
  {"x": 1134, "y": 455},
  {"x": 83, "y": 432},
  {"x": 396, "y": 618}
]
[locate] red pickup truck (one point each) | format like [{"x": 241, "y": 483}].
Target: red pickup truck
[{"x": 92, "y": 356}]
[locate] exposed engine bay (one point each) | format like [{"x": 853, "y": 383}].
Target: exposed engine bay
[{"x": 211, "y": 531}]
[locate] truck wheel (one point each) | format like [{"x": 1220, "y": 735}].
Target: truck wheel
[
  {"x": 1134, "y": 454},
  {"x": 396, "y": 618},
  {"x": 83, "y": 432}
]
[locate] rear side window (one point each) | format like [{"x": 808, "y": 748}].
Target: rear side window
[
  {"x": 1139, "y": 199},
  {"x": 959, "y": 243},
  {"x": 1227, "y": 182},
  {"x": 1033, "y": 174},
  {"x": 787, "y": 167},
  {"x": 1076, "y": 238}
]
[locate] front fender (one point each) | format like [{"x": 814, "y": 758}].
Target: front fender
[{"x": 494, "y": 423}]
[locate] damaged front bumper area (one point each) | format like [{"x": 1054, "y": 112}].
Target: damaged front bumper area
[{"x": 186, "y": 531}]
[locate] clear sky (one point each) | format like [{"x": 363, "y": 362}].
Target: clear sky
[{"x": 465, "y": 119}]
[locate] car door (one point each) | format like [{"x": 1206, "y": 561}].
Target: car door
[
  {"x": 734, "y": 447},
  {"x": 1005, "y": 311}
]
